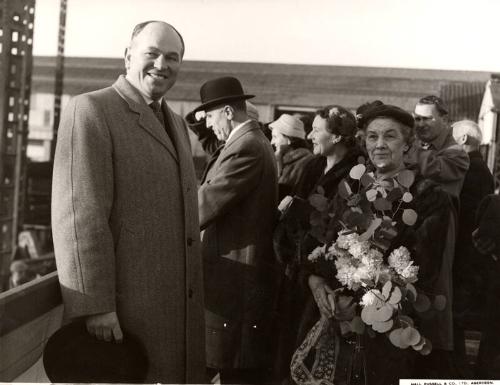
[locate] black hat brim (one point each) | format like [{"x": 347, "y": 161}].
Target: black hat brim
[
  {"x": 72, "y": 355},
  {"x": 216, "y": 102}
]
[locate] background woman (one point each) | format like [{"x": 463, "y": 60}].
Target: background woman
[
  {"x": 334, "y": 146},
  {"x": 291, "y": 150}
]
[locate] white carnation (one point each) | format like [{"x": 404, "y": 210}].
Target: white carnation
[
  {"x": 372, "y": 298},
  {"x": 318, "y": 252}
]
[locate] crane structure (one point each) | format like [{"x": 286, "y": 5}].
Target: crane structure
[{"x": 16, "y": 58}]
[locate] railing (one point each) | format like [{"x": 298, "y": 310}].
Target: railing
[{"x": 29, "y": 314}]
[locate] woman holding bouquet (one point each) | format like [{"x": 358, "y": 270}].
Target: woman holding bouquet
[
  {"x": 397, "y": 216},
  {"x": 334, "y": 146}
]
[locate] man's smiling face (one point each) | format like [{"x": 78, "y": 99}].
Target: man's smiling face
[{"x": 153, "y": 60}]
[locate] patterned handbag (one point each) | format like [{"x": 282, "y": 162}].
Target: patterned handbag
[{"x": 321, "y": 344}]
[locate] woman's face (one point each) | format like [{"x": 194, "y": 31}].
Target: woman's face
[
  {"x": 385, "y": 144},
  {"x": 323, "y": 141}
]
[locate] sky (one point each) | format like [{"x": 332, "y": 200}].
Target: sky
[{"x": 433, "y": 34}]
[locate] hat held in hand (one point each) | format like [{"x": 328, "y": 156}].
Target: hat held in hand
[{"x": 73, "y": 355}]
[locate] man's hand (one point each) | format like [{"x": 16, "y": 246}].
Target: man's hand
[
  {"x": 105, "y": 326},
  {"x": 320, "y": 291}
]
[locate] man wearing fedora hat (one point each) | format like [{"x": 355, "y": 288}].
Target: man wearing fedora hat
[
  {"x": 237, "y": 205},
  {"x": 125, "y": 216}
]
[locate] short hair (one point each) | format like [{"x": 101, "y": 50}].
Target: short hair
[
  {"x": 340, "y": 121},
  {"x": 238, "y": 105},
  {"x": 441, "y": 107},
  {"x": 139, "y": 27},
  {"x": 469, "y": 128}
]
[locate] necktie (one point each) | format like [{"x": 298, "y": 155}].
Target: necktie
[{"x": 156, "y": 107}]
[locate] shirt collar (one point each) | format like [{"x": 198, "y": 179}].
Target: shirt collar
[{"x": 237, "y": 128}]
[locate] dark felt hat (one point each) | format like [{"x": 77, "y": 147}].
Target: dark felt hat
[
  {"x": 219, "y": 91},
  {"x": 380, "y": 110},
  {"x": 73, "y": 355}
]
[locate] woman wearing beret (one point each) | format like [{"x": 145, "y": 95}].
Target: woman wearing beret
[
  {"x": 292, "y": 154},
  {"x": 388, "y": 132}
]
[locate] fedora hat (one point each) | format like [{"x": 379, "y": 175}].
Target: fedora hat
[
  {"x": 73, "y": 355},
  {"x": 219, "y": 91}
]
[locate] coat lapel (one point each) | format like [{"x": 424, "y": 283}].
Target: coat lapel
[{"x": 146, "y": 119}]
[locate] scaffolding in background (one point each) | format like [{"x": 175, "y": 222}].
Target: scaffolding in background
[{"x": 16, "y": 46}]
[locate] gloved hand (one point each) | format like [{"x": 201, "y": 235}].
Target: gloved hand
[{"x": 199, "y": 127}]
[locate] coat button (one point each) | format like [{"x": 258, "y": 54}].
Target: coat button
[
  {"x": 189, "y": 241},
  {"x": 190, "y": 293}
]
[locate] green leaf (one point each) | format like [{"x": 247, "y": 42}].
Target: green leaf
[
  {"x": 371, "y": 229},
  {"x": 395, "y": 296},
  {"x": 383, "y": 314},
  {"x": 422, "y": 303},
  {"x": 395, "y": 338},
  {"x": 394, "y": 195},
  {"x": 344, "y": 189},
  {"x": 410, "y": 336},
  {"x": 386, "y": 290},
  {"x": 384, "y": 326},
  {"x": 371, "y": 195},
  {"x": 316, "y": 219},
  {"x": 427, "y": 348},
  {"x": 382, "y": 204},
  {"x": 368, "y": 314},
  {"x": 418, "y": 346},
  {"x": 406, "y": 178},
  {"x": 357, "y": 171},
  {"x": 409, "y": 217},
  {"x": 440, "y": 302},
  {"x": 406, "y": 321},
  {"x": 357, "y": 325},
  {"x": 411, "y": 292},
  {"x": 407, "y": 197},
  {"x": 366, "y": 179},
  {"x": 319, "y": 202}
]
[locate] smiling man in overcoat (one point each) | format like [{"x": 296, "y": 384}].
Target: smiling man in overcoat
[
  {"x": 125, "y": 215},
  {"x": 238, "y": 205}
]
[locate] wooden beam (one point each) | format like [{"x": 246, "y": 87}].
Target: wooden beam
[{"x": 27, "y": 302}]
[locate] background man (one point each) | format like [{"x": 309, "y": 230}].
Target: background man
[
  {"x": 435, "y": 151},
  {"x": 125, "y": 219},
  {"x": 470, "y": 270},
  {"x": 237, "y": 205},
  {"x": 441, "y": 159}
]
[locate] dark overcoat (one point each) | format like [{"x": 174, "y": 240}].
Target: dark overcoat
[
  {"x": 238, "y": 204},
  {"x": 125, "y": 226}
]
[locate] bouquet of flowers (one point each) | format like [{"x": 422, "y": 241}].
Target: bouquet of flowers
[{"x": 379, "y": 282}]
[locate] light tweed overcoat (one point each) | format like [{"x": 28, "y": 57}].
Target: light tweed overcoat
[
  {"x": 238, "y": 206},
  {"x": 125, "y": 226}
]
